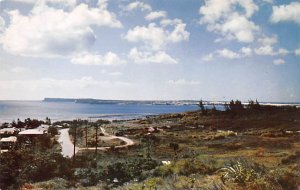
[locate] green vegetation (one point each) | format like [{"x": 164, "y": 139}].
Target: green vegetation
[{"x": 244, "y": 147}]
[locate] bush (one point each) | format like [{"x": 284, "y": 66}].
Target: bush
[
  {"x": 18, "y": 167},
  {"x": 241, "y": 172}
]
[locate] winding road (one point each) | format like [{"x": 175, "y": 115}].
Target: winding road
[
  {"x": 68, "y": 146},
  {"x": 128, "y": 142}
]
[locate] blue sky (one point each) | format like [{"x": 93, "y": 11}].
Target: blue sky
[{"x": 153, "y": 50}]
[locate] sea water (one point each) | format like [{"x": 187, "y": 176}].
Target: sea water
[{"x": 12, "y": 110}]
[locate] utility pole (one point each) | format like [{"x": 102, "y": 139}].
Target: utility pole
[
  {"x": 96, "y": 126},
  {"x": 86, "y": 124},
  {"x": 74, "y": 148}
]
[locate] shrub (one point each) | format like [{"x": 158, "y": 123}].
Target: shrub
[
  {"x": 241, "y": 172},
  {"x": 291, "y": 158}
]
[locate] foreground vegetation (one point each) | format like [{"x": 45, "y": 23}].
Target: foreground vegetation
[{"x": 243, "y": 147}]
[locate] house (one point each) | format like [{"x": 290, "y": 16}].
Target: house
[
  {"x": 8, "y": 131},
  {"x": 33, "y": 132},
  {"x": 40, "y": 130},
  {"x": 8, "y": 142}
]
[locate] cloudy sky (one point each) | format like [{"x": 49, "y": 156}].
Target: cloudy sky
[{"x": 167, "y": 49}]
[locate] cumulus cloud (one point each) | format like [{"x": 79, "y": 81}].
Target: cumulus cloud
[
  {"x": 282, "y": 52},
  {"x": 48, "y": 32},
  {"x": 157, "y": 37},
  {"x": 2, "y": 24},
  {"x": 268, "y": 50},
  {"x": 138, "y": 5},
  {"x": 297, "y": 52},
  {"x": 97, "y": 59},
  {"x": 225, "y": 17},
  {"x": 155, "y": 15},
  {"x": 151, "y": 57},
  {"x": 278, "y": 62},
  {"x": 283, "y": 13},
  {"x": 182, "y": 82},
  {"x": 264, "y": 50},
  {"x": 268, "y": 41},
  {"x": 226, "y": 53},
  {"x": 246, "y": 51}
]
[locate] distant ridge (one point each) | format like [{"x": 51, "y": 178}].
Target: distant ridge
[
  {"x": 100, "y": 101},
  {"x": 158, "y": 102}
]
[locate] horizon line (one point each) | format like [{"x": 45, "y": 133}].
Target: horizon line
[{"x": 286, "y": 102}]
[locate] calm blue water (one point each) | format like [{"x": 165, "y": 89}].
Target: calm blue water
[{"x": 12, "y": 110}]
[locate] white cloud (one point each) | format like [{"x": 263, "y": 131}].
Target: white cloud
[
  {"x": 166, "y": 22},
  {"x": 179, "y": 33},
  {"x": 246, "y": 51},
  {"x": 238, "y": 27},
  {"x": 2, "y": 24},
  {"x": 297, "y": 52},
  {"x": 54, "y": 32},
  {"x": 268, "y": 50},
  {"x": 282, "y": 52},
  {"x": 264, "y": 50},
  {"x": 150, "y": 57},
  {"x": 152, "y": 35},
  {"x": 229, "y": 54},
  {"x": 155, "y": 15},
  {"x": 226, "y": 53},
  {"x": 268, "y": 40},
  {"x": 183, "y": 82},
  {"x": 96, "y": 59},
  {"x": 208, "y": 57},
  {"x": 282, "y": 13},
  {"x": 225, "y": 17},
  {"x": 278, "y": 62},
  {"x": 157, "y": 37},
  {"x": 138, "y": 5}
]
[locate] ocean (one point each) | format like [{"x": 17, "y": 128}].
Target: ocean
[{"x": 12, "y": 110}]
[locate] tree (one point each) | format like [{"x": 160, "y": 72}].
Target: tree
[
  {"x": 201, "y": 105},
  {"x": 52, "y": 131},
  {"x": 48, "y": 121},
  {"x": 236, "y": 106},
  {"x": 226, "y": 106}
]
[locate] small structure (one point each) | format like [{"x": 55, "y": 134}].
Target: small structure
[
  {"x": 43, "y": 127},
  {"x": 41, "y": 130},
  {"x": 32, "y": 132},
  {"x": 8, "y": 131},
  {"x": 8, "y": 142}
]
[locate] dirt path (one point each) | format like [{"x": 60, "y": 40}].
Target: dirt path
[
  {"x": 128, "y": 142},
  {"x": 66, "y": 143}
]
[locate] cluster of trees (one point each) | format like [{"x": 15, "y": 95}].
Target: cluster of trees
[
  {"x": 115, "y": 173},
  {"x": 233, "y": 106},
  {"x": 28, "y": 123},
  {"x": 29, "y": 165}
]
